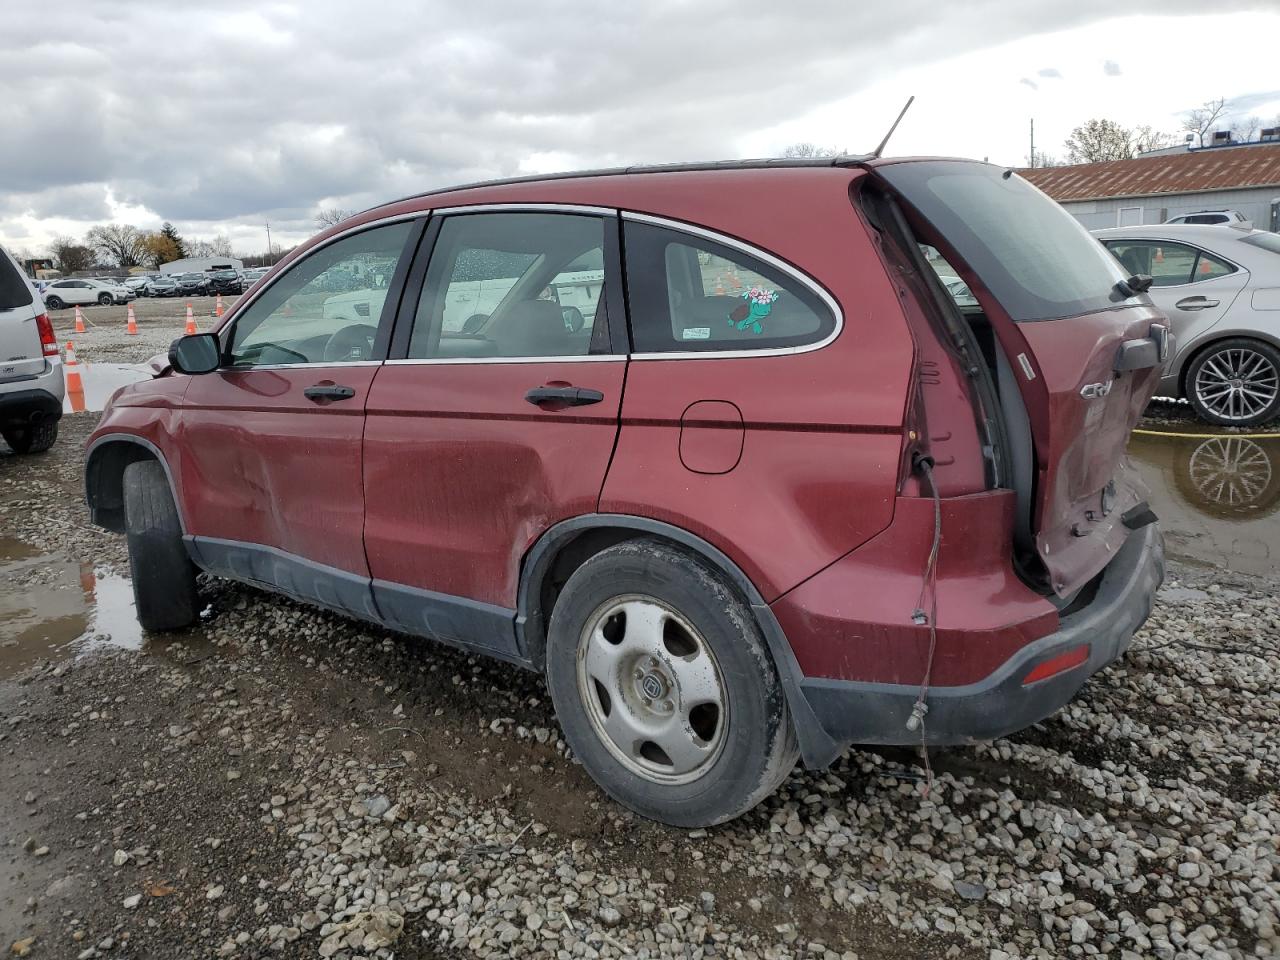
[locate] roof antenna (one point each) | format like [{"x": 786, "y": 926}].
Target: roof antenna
[{"x": 883, "y": 143}]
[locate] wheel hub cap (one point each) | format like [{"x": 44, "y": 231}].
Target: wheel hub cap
[{"x": 652, "y": 689}]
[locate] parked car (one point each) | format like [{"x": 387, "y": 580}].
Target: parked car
[
  {"x": 1220, "y": 288},
  {"x": 252, "y": 275},
  {"x": 140, "y": 283},
  {"x": 225, "y": 281},
  {"x": 1210, "y": 217},
  {"x": 31, "y": 382},
  {"x": 81, "y": 291},
  {"x": 192, "y": 284},
  {"x": 162, "y": 287},
  {"x": 829, "y": 506}
]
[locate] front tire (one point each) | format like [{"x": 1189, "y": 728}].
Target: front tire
[
  {"x": 105, "y": 300},
  {"x": 34, "y": 439},
  {"x": 54, "y": 303},
  {"x": 1235, "y": 383},
  {"x": 164, "y": 578},
  {"x": 665, "y": 688}
]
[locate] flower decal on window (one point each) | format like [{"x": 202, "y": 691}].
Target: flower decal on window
[{"x": 759, "y": 302}]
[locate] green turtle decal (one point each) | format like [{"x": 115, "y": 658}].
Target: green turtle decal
[{"x": 759, "y": 304}]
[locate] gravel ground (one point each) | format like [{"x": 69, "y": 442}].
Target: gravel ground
[
  {"x": 160, "y": 321},
  {"x": 283, "y": 782}
]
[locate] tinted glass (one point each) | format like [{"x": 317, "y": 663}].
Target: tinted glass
[
  {"x": 1168, "y": 264},
  {"x": 1209, "y": 267},
  {"x": 14, "y": 291},
  {"x": 1037, "y": 260},
  {"x": 325, "y": 308},
  {"x": 513, "y": 285},
  {"x": 692, "y": 294}
]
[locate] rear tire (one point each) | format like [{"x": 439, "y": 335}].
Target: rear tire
[
  {"x": 692, "y": 727},
  {"x": 1235, "y": 383},
  {"x": 164, "y": 578},
  {"x": 36, "y": 439}
]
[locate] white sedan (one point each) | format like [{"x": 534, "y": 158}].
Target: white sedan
[
  {"x": 1220, "y": 288},
  {"x": 77, "y": 291}
]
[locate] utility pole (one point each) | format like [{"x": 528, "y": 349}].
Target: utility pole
[
  {"x": 1033, "y": 143},
  {"x": 268, "y": 243}
]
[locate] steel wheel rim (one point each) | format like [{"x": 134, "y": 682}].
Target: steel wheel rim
[
  {"x": 1237, "y": 383},
  {"x": 652, "y": 690},
  {"x": 1232, "y": 471}
]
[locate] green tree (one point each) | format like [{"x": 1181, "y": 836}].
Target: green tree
[
  {"x": 159, "y": 249},
  {"x": 175, "y": 238}
]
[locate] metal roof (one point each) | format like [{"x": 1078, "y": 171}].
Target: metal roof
[{"x": 1196, "y": 171}]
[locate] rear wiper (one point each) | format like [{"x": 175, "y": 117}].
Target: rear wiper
[{"x": 1132, "y": 287}]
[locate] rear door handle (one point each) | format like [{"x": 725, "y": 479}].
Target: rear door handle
[
  {"x": 329, "y": 391},
  {"x": 1195, "y": 303},
  {"x": 570, "y": 396}
]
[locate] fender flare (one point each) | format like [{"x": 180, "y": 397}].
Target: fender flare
[
  {"x": 817, "y": 748},
  {"x": 92, "y": 464}
]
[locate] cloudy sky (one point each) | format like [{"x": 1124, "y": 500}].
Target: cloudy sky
[{"x": 223, "y": 116}]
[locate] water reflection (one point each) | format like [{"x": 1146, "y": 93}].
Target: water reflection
[{"x": 1217, "y": 498}]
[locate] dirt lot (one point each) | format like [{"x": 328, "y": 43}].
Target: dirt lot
[{"x": 282, "y": 782}]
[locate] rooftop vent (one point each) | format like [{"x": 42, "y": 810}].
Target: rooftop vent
[
  {"x": 1220, "y": 137},
  {"x": 1269, "y": 134}
]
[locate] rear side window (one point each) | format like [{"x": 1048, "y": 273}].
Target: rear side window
[
  {"x": 1037, "y": 260},
  {"x": 690, "y": 293},
  {"x": 1168, "y": 264},
  {"x": 14, "y": 291}
]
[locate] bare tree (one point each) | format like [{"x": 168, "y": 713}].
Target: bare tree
[
  {"x": 1042, "y": 159},
  {"x": 1243, "y": 130},
  {"x": 805, "y": 151},
  {"x": 1145, "y": 139},
  {"x": 330, "y": 216},
  {"x": 118, "y": 242},
  {"x": 1098, "y": 141},
  {"x": 70, "y": 257},
  {"x": 221, "y": 245},
  {"x": 1204, "y": 118}
]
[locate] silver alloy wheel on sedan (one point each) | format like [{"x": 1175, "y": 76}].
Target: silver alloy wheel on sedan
[
  {"x": 1237, "y": 383},
  {"x": 652, "y": 689}
]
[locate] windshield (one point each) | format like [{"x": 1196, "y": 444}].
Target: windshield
[{"x": 1038, "y": 261}]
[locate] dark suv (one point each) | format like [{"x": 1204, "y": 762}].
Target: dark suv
[
  {"x": 224, "y": 281},
  {"x": 711, "y": 447}
]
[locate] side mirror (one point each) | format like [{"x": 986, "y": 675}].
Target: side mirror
[
  {"x": 573, "y": 319},
  {"x": 197, "y": 353}
]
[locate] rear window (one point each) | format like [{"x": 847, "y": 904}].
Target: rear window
[
  {"x": 1037, "y": 260},
  {"x": 1267, "y": 241},
  {"x": 14, "y": 291}
]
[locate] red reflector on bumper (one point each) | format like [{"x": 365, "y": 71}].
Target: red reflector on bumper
[{"x": 1055, "y": 665}]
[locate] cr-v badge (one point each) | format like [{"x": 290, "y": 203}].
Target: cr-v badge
[{"x": 1095, "y": 391}]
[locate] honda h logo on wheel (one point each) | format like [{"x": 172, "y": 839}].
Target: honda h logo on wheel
[{"x": 1095, "y": 391}]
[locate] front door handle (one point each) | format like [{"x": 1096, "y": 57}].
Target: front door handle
[
  {"x": 569, "y": 396},
  {"x": 1195, "y": 303},
  {"x": 328, "y": 391}
]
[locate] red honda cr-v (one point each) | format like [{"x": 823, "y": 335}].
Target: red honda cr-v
[{"x": 711, "y": 446}]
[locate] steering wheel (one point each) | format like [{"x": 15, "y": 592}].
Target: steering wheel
[{"x": 354, "y": 342}]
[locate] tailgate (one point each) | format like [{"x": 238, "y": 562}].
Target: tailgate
[
  {"x": 1086, "y": 351},
  {"x": 21, "y": 354}
]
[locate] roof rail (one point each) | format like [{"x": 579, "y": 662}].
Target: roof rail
[{"x": 844, "y": 160}]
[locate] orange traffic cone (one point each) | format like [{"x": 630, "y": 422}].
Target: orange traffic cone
[
  {"x": 79, "y": 321},
  {"x": 74, "y": 384},
  {"x": 217, "y": 310},
  {"x": 191, "y": 321},
  {"x": 132, "y": 328},
  {"x": 720, "y": 285}
]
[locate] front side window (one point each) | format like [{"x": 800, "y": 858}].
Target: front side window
[
  {"x": 513, "y": 285},
  {"x": 326, "y": 308},
  {"x": 688, "y": 293}
]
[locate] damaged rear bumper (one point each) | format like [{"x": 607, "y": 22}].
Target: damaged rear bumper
[{"x": 1010, "y": 698}]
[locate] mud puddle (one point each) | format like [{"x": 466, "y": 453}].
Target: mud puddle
[
  {"x": 52, "y": 608},
  {"x": 100, "y": 381},
  {"x": 1218, "y": 498}
]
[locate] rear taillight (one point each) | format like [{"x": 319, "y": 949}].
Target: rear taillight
[{"x": 48, "y": 342}]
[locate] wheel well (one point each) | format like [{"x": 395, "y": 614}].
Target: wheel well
[
  {"x": 104, "y": 480},
  {"x": 1185, "y": 373},
  {"x": 551, "y": 572}
]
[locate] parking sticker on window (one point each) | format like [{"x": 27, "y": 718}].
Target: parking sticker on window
[
  {"x": 696, "y": 333},
  {"x": 759, "y": 304}
]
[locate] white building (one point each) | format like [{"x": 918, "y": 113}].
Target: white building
[
  {"x": 1156, "y": 187},
  {"x": 201, "y": 265}
]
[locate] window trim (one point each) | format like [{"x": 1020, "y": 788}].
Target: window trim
[
  {"x": 680, "y": 226},
  {"x": 1235, "y": 267},
  {"x": 383, "y": 337},
  {"x": 406, "y": 316}
]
